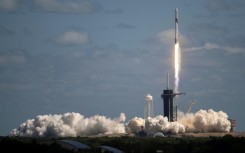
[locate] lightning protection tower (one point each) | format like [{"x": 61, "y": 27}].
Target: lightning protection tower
[{"x": 149, "y": 106}]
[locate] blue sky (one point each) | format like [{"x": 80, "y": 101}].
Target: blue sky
[{"x": 104, "y": 56}]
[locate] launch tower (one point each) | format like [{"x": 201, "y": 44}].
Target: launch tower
[{"x": 168, "y": 110}]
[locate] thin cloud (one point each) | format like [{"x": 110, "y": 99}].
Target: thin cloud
[
  {"x": 216, "y": 6},
  {"x": 213, "y": 46},
  {"x": 71, "y": 6},
  {"x": 115, "y": 11},
  {"x": 125, "y": 26},
  {"x": 8, "y": 5},
  {"x": 6, "y": 32},
  {"x": 12, "y": 57},
  {"x": 203, "y": 28},
  {"x": 51, "y": 6},
  {"x": 71, "y": 38},
  {"x": 26, "y": 31}
]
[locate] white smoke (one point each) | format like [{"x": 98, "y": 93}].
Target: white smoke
[
  {"x": 160, "y": 123},
  {"x": 211, "y": 121},
  {"x": 206, "y": 121},
  {"x": 201, "y": 121},
  {"x": 135, "y": 123},
  {"x": 75, "y": 124},
  {"x": 70, "y": 124}
]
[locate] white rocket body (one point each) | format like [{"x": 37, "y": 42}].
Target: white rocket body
[{"x": 176, "y": 26}]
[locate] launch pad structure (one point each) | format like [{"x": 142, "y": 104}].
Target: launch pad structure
[{"x": 169, "y": 110}]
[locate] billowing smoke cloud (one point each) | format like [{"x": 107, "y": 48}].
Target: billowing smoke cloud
[
  {"x": 69, "y": 124},
  {"x": 75, "y": 124},
  {"x": 201, "y": 121},
  {"x": 135, "y": 123},
  {"x": 206, "y": 121}
]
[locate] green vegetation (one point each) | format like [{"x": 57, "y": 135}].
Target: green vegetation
[
  {"x": 224, "y": 144},
  {"x": 26, "y": 145}
]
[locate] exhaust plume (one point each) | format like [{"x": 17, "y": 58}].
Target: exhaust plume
[{"x": 176, "y": 67}]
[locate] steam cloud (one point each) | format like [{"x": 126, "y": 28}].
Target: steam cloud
[
  {"x": 75, "y": 124},
  {"x": 69, "y": 124},
  {"x": 201, "y": 121}
]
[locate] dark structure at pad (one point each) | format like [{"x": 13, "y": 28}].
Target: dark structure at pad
[{"x": 169, "y": 110}]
